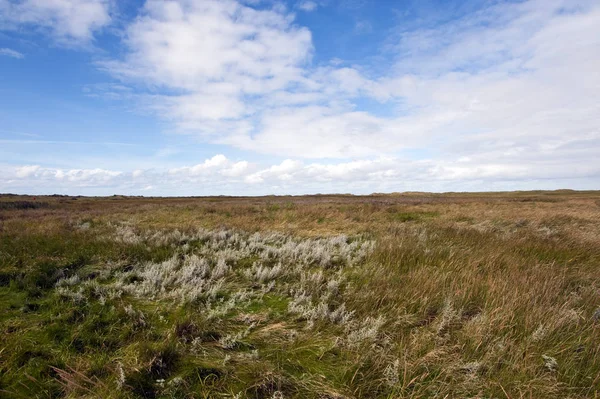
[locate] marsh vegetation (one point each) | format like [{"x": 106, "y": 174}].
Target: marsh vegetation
[{"x": 382, "y": 296}]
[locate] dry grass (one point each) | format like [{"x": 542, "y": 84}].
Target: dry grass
[{"x": 384, "y": 296}]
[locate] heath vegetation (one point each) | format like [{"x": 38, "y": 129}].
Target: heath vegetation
[{"x": 383, "y": 296}]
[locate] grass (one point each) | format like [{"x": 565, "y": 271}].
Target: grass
[
  {"x": 22, "y": 204},
  {"x": 384, "y": 296}
]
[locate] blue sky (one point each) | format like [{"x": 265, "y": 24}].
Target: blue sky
[{"x": 257, "y": 97}]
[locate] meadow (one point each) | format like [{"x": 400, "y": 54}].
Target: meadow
[{"x": 414, "y": 295}]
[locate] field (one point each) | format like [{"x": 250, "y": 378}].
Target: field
[{"x": 411, "y": 295}]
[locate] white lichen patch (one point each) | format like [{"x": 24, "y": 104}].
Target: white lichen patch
[
  {"x": 224, "y": 271},
  {"x": 207, "y": 266}
]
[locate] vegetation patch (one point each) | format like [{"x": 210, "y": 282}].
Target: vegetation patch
[
  {"x": 22, "y": 205},
  {"x": 413, "y": 216}
]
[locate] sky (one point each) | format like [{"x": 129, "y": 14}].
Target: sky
[{"x": 254, "y": 97}]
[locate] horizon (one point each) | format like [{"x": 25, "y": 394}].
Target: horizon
[
  {"x": 332, "y": 194},
  {"x": 275, "y": 98}
]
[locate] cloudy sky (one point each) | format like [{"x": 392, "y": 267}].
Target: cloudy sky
[{"x": 248, "y": 97}]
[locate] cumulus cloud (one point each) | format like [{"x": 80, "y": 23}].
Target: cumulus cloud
[
  {"x": 284, "y": 171},
  {"x": 231, "y": 89},
  {"x": 511, "y": 75},
  {"x": 216, "y": 56},
  {"x": 218, "y": 165},
  {"x": 221, "y": 175},
  {"x": 213, "y": 48},
  {"x": 68, "y": 21},
  {"x": 11, "y": 53}
]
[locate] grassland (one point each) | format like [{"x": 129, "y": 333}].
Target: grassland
[{"x": 383, "y": 296}]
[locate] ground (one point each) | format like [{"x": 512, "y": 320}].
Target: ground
[{"x": 408, "y": 295}]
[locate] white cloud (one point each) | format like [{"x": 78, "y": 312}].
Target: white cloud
[
  {"x": 217, "y": 165},
  {"x": 69, "y": 21},
  {"x": 512, "y": 75},
  {"x": 237, "y": 169},
  {"x": 319, "y": 132},
  {"x": 283, "y": 171},
  {"x": 220, "y": 175},
  {"x": 217, "y": 56},
  {"x": 215, "y": 48},
  {"x": 307, "y": 5},
  {"x": 526, "y": 80},
  {"x": 88, "y": 176},
  {"x": 70, "y": 177},
  {"x": 26, "y": 171},
  {"x": 11, "y": 53}
]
